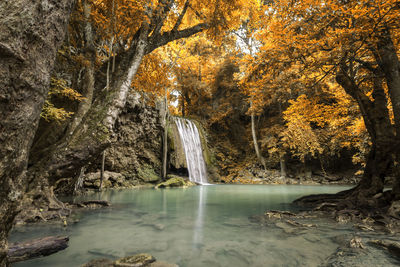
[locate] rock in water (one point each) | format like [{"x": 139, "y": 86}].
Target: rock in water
[
  {"x": 175, "y": 181},
  {"x": 138, "y": 260}
]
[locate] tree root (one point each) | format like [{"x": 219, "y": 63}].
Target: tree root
[{"x": 378, "y": 212}]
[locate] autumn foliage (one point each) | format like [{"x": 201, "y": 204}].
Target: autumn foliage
[{"x": 280, "y": 61}]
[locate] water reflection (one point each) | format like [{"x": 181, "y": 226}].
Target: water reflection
[{"x": 198, "y": 228}]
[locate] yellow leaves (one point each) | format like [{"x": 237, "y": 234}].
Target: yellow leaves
[
  {"x": 323, "y": 125},
  {"x": 59, "y": 87},
  {"x": 51, "y": 113}
]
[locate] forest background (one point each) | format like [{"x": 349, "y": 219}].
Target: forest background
[{"x": 275, "y": 83}]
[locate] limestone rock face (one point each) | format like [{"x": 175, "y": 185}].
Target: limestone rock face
[
  {"x": 177, "y": 158},
  {"x": 137, "y": 150},
  {"x": 110, "y": 179}
]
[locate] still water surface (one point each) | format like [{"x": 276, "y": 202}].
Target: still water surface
[{"x": 197, "y": 226}]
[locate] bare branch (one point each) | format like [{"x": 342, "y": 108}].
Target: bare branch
[{"x": 179, "y": 21}]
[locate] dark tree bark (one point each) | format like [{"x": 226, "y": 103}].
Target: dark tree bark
[
  {"x": 376, "y": 118},
  {"x": 88, "y": 83},
  {"x": 30, "y": 33},
  {"x": 389, "y": 64}
]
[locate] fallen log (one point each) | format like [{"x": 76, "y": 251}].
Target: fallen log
[{"x": 36, "y": 248}]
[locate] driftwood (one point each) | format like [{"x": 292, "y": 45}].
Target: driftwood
[{"x": 36, "y": 248}]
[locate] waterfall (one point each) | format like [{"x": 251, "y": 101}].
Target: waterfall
[{"x": 190, "y": 139}]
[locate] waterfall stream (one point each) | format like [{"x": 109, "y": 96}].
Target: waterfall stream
[{"x": 191, "y": 143}]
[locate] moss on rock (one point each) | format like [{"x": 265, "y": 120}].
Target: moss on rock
[
  {"x": 175, "y": 181},
  {"x": 147, "y": 174},
  {"x": 135, "y": 261}
]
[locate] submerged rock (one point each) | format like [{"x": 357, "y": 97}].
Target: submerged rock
[
  {"x": 99, "y": 263},
  {"x": 138, "y": 260}
]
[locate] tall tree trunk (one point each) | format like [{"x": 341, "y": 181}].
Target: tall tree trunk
[
  {"x": 388, "y": 61},
  {"x": 165, "y": 137},
  {"x": 103, "y": 160},
  {"x": 282, "y": 161},
  {"x": 88, "y": 86},
  {"x": 255, "y": 142},
  {"x": 389, "y": 64},
  {"x": 30, "y": 33},
  {"x": 376, "y": 118}
]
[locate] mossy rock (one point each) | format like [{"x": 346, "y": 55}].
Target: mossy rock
[
  {"x": 147, "y": 174},
  {"x": 175, "y": 181},
  {"x": 138, "y": 260}
]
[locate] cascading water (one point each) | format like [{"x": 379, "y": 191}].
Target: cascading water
[{"x": 191, "y": 143}]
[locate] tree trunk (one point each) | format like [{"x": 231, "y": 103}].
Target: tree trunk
[
  {"x": 30, "y": 34},
  {"x": 282, "y": 161},
  {"x": 165, "y": 139},
  {"x": 390, "y": 66},
  {"x": 88, "y": 86},
  {"x": 388, "y": 61},
  {"x": 103, "y": 160},
  {"x": 376, "y": 118},
  {"x": 79, "y": 182},
  {"x": 255, "y": 142}
]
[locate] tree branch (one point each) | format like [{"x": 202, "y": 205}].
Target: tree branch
[
  {"x": 367, "y": 65},
  {"x": 162, "y": 39},
  {"x": 160, "y": 15},
  {"x": 179, "y": 21}
]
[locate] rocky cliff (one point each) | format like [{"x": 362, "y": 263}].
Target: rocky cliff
[{"x": 135, "y": 155}]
